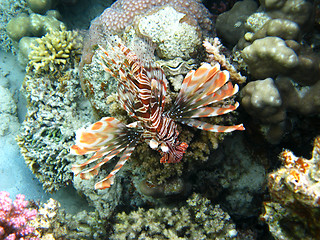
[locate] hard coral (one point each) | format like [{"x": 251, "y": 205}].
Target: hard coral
[
  {"x": 123, "y": 12},
  {"x": 48, "y": 127},
  {"x": 295, "y": 186},
  {"x": 197, "y": 220},
  {"x": 15, "y": 217},
  {"x": 57, "y": 50}
]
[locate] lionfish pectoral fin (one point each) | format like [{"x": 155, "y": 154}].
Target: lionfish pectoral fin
[
  {"x": 210, "y": 127},
  {"x": 92, "y": 138},
  {"x": 87, "y": 174},
  {"x": 209, "y": 111},
  {"x": 108, "y": 181}
]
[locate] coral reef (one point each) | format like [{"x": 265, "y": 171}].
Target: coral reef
[
  {"x": 55, "y": 109},
  {"x": 34, "y": 24},
  {"x": 52, "y": 222},
  {"x": 124, "y": 12},
  {"x": 230, "y": 25},
  {"x": 173, "y": 37},
  {"x": 8, "y": 10},
  {"x": 214, "y": 55},
  {"x": 275, "y": 51},
  {"x": 269, "y": 57},
  {"x": 56, "y": 51},
  {"x": 15, "y": 218},
  {"x": 295, "y": 190},
  {"x": 197, "y": 220}
]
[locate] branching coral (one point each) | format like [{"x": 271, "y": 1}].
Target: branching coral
[
  {"x": 52, "y": 222},
  {"x": 197, "y": 220},
  {"x": 56, "y": 51},
  {"x": 15, "y": 218}
]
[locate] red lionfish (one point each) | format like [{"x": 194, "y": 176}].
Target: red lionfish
[{"x": 142, "y": 91}]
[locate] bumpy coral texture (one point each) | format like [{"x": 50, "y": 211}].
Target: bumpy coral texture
[
  {"x": 53, "y": 112},
  {"x": 8, "y": 10},
  {"x": 52, "y": 222},
  {"x": 296, "y": 187},
  {"x": 122, "y": 13},
  {"x": 55, "y": 51},
  {"x": 197, "y": 220},
  {"x": 14, "y": 218}
]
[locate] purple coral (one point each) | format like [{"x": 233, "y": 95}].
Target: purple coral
[
  {"x": 14, "y": 218},
  {"x": 122, "y": 13}
]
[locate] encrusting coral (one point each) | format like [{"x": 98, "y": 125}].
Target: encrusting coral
[
  {"x": 48, "y": 127},
  {"x": 56, "y": 51},
  {"x": 123, "y": 13},
  {"x": 296, "y": 188},
  {"x": 199, "y": 219}
]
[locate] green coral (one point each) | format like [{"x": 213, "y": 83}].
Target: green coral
[
  {"x": 198, "y": 219},
  {"x": 55, "y": 51}
]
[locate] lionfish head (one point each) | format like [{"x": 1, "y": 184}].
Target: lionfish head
[{"x": 172, "y": 152}]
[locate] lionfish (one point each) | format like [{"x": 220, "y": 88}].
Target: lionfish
[{"x": 141, "y": 90}]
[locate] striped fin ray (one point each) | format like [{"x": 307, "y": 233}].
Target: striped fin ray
[
  {"x": 214, "y": 89},
  {"x": 210, "y": 127},
  {"x": 95, "y": 136},
  {"x": 209, "y": 111},
  {"x": 200, "y": 81},
  {"x": 107, "y": 138},
  {"x": 226, "y": 91},
  {"x": 108, "y": 152},
  {"x": 108, "y": 181}
]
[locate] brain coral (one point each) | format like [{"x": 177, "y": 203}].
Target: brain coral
[{"x": 122, "y": 13}]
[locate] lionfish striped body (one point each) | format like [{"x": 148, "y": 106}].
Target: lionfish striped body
[{"x": 141, "y": 91}]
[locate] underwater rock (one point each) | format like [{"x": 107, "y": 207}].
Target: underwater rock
[
  {"x": 9, "y": 122},
  {"x": 230, "y": 25}
]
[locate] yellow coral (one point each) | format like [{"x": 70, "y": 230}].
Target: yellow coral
[{"x": 55, "y": 51}]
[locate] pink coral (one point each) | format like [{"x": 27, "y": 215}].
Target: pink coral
[
  {"x": 122, "y": 13},
  {"x": 14, "y": 218}
]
